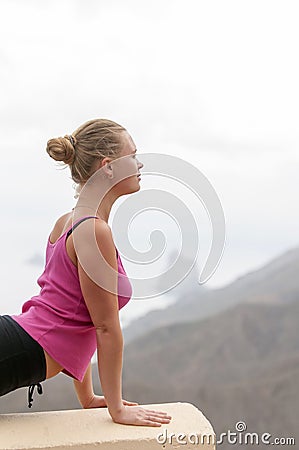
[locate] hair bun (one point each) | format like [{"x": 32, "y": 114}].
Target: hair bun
[{"x": 62, "y": 149}]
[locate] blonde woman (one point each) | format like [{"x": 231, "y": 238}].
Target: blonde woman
[{"x": 75, "y": 314}]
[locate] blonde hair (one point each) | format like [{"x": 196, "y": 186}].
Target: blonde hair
[{"x": 91, "y": 142}]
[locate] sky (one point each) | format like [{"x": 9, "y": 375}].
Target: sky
[{"x": 212, "y": 82}]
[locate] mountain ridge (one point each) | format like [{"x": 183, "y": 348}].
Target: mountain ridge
[{"x": 274, "y": 282}]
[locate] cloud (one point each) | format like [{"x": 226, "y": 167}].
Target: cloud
[{"x": 213, "y": 82}]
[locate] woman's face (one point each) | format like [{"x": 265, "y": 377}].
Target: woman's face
[{"x": 127, "y": 164}]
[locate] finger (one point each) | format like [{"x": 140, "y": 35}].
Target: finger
[
  {"x": 157, "y": 413},
  {"x": 160, "y": 418},
  {"x": 157, "y": 419},
  {"x": 151, "y": 424},
  {"x": 153, "y": 411}
]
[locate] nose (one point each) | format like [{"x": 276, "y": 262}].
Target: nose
[{"x": 140, "y": 165}]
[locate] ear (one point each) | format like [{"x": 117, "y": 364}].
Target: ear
[{"x": 105, "y": 166}]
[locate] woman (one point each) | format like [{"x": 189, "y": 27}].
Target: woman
[{"x": 74, "y": 314}]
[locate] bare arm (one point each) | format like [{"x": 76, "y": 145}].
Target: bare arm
[
  {"x": 103, "y": 308},
  {"x": 110, "y": 359},
  {"x": 102, "y": 305},
  {"x": 84, "y": 389}
]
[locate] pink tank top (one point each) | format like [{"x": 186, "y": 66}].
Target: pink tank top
[{"x": 58, "y": 318}]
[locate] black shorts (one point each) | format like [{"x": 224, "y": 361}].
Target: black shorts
[{"x": 22, "y": 359}]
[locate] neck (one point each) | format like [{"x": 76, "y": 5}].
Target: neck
[{"x": 103, "y": 211}]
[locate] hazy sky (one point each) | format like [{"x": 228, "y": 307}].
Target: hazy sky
[{"x": 213, "y": 82}]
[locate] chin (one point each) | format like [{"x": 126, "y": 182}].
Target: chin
[
  {"x": 131, "y": 187},
  {"x": 134, "y": 189}
]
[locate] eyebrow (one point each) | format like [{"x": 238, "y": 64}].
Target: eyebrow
[{"x": 135, "y": 150}]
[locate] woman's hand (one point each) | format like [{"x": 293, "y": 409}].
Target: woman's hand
[
  {"x": 136, "y": 415},
  {"x": 99, "y": 401}
]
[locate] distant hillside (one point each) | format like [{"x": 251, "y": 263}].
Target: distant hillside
[
  {"x": 240, "y": 342},
  {"x": 241, "y": 364},
  {"x": 276, "y": 282}
]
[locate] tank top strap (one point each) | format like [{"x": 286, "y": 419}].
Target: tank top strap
[{"x": 78, "y": 223}]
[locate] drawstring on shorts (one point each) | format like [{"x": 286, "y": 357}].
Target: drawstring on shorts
[{"x": 30, "y": 392}]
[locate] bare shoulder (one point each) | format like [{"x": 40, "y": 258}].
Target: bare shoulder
[
  {"x": 62, "y": 220},
  {"x": 60, "y": 225},
  {"x": 103, "y": 235},
  {"x": 104, "y": 238},
  {"x": 95, "y": 274},
  {"x": 102, "y": 227}
]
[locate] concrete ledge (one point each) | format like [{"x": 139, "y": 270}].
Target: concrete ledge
[{"x": 93, "y": 428}]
